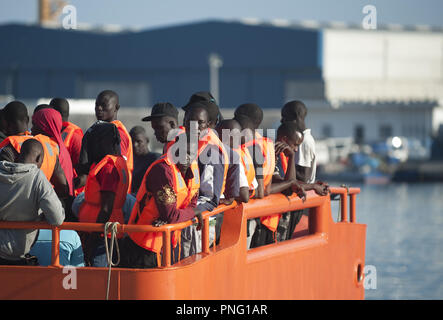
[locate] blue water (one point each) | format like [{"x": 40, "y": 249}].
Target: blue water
[{"x": 404, "y": 239}]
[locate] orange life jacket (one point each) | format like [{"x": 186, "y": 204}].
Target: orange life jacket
[
  {"x": 67, "y": 133},
  {"x": 90, "y": 208},
  {"x": 129, "y": 154},
  {"x": 50, "y": 148},
  {"x": 248, "y": 164},
  {"x": 145, "y": 210},
  {"x": 267, "y": 147},
  {"x": 284, "y": 162}
]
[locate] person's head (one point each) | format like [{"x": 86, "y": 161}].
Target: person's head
[
  {"x": 289, "y": 133},
  {"x": 16, "y": 118},
  {"x": 140, "y": 141},
  {"x": 46, "y": 121},
  {"x": 163, "y": 118},
  {"x": 62, "y": 106},
  {"x": 41, "y": 107},
  {"x": 102, "y": 139},
  {"x": 31, "y": 152},
  {"x": 234, "y": 129},
  {"x": 196, "y": 113},
  {"x": 294, "y": 111},
  {"x": 206, "y": 99},
  {"x": 249, "y": 115},
  {"x": 107, "y": 106}
]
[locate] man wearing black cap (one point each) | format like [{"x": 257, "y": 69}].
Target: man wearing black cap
[{"x": 163, "y": 118}]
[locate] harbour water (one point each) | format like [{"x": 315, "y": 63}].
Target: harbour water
[{"x": 404, "y": 240}]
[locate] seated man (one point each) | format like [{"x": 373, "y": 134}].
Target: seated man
[{"x": 25, "y": 191}]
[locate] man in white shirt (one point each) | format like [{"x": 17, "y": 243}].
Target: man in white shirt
[{"x": 305, "y": 159}]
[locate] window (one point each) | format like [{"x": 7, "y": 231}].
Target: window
[
  {"x": 359, "y": 134},
  {"x": 326, "y": 131},
  {"x": 385, "y": 131}
]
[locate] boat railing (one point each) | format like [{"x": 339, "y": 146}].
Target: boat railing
[{"x": 273, "y": 204}]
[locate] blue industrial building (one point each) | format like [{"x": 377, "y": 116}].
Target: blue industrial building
[{"x": 165, "y": 64}]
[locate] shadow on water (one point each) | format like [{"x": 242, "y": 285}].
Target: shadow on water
[{"x": 404, "y": 240}]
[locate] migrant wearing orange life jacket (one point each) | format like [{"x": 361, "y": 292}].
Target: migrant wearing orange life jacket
[
  {"x": 145, "y": 210},
  {"x": 90, "y": 208},
  {"x": 248, "y": 164},
  {"x": 129, "y": 154},
  {"x": 69, "y": 131},
  {"x": 50, "y": 148},
  {"x": 267, "y": 147}
]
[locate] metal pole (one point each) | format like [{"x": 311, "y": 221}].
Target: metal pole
[{"x": 215, "y": 62}]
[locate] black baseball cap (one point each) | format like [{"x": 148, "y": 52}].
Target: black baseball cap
[
  {"x": 162, "y": 109},
  {"x": 199, "y": 97}
]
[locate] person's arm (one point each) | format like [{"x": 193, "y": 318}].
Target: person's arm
[
  {"x": 320, "y": 188},
  {"x": 59, "y": 181},
  {"x": 288, "y": 181},
  {"x": 159, "y": 183},
  {"x": 48, "y": 201}
]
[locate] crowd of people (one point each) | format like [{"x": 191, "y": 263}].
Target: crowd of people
[{"x": 57, "y": 173}]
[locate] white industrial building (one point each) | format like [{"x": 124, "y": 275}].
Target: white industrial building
[{"x": 376, "y": 84}]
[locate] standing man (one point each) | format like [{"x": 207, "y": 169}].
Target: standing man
[
  {"x": 106, "y": 109},
  {"x": 213, "y": 163},
  {"x": 27, "y": 193},
  {"x": 305, "y": 159},
  {"x": 143, "y": 158}
]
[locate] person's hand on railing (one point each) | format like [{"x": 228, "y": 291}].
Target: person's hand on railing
[
  {"x": 299, "y": 190},
  {"x": 199, "y": 216},
  {"x": 226, "y": 201},
  {"x": 159, "y": 223},
  {"x": 321, "y": 188}
]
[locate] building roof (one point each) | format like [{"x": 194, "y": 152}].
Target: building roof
[{"x": 184, "y": 46}]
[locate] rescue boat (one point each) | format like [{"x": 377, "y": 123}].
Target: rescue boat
[{"x": 324, "y": 260}]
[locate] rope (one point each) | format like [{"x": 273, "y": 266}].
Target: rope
[{"x": 109, "y": 253}]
